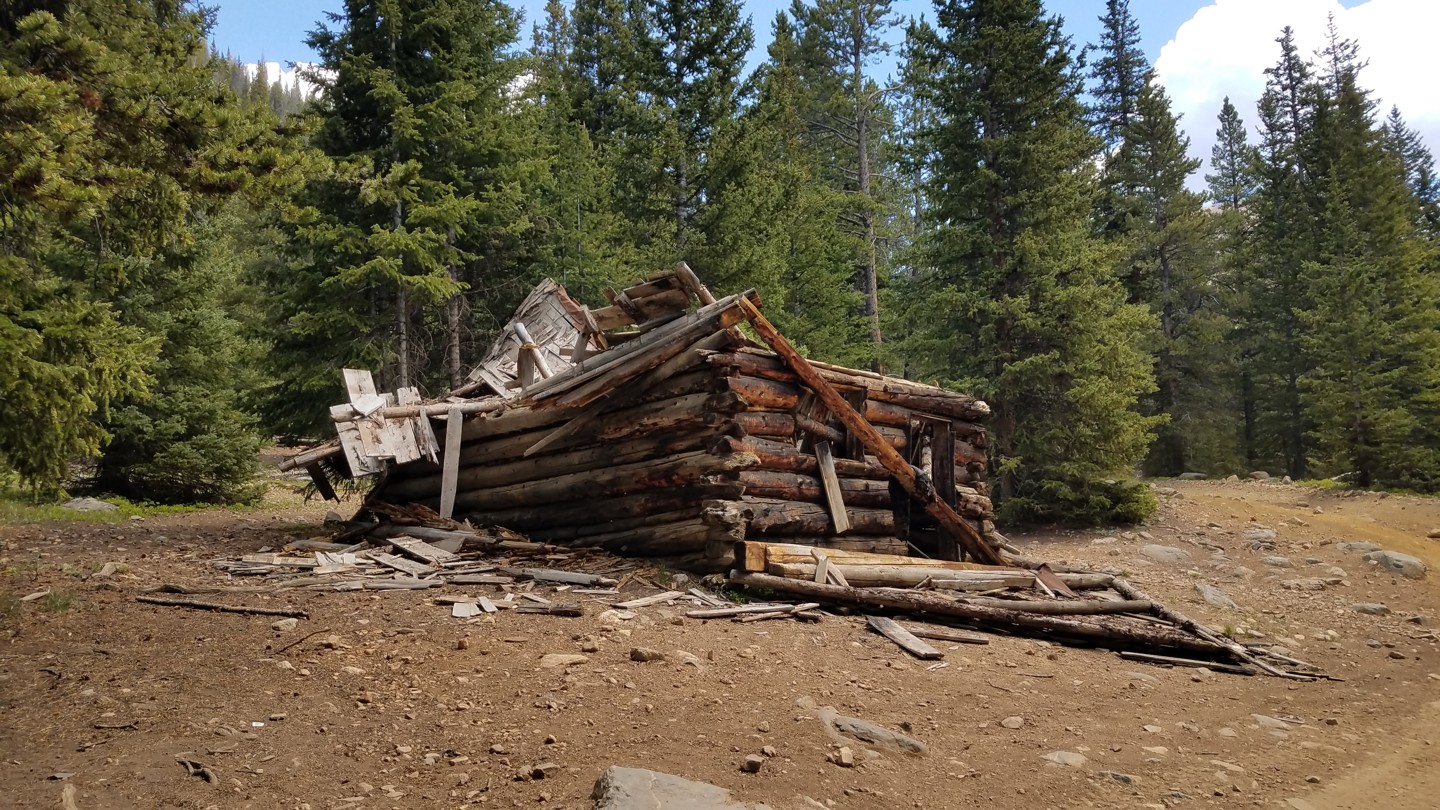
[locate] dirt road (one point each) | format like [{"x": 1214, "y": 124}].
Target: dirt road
[{"x": 406, "y": 707}]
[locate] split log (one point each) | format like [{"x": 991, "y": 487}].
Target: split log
[
  {"x": 784, "y": 457},
  {"x": 1094, "y": 632},
  {"x": 767, "y": 395},
  {"x": 755, "y": 556},
  {"x": 568, "y": 534},
  {"x": 1171, "y": 660},
  {"x": 670, "y": 539},
  {"x": 761, "y": 483},
  {"x": 858, "y": 544},
  {"x": 946, "y": 634},
  {"x": 779, "y": 518},
  {"x": 1082, "y": 607},
  {"x": 908, "y": 576}
]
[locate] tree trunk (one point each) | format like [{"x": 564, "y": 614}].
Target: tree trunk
[{"x": 453, "y": 311}]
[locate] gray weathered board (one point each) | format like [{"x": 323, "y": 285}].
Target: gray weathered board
[{"x": 551, "y": 328}]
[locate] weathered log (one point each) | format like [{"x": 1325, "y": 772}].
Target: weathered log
[
  {"x": 467, "y": 540},
  {"x": 907, "y": 576},
  {"x": 670, "y": 539},
  {"x": 474, "y": 475},
  {"x": 779, "y": 518},
  {"x": 216, "y": 606},
  {"x": 625, "y": 479},
  {"x": 784, "y": 486},
  {"x": 769, "y": 395},
  {"x": 599, "y": 510},
  {"x": 569, "y": 534},
  {"x": 860, "y": 544},
  {"x": 912, "y": 395},
  {"x": 1113, "y": 634},
  {"x": 784, "y": 457},
  {"x": 1084, "y": 607}
]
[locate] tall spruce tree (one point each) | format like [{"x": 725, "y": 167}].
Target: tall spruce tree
[
  {"x": 1018, "y": 301},
  {"x": 421, "y": 199},
  {"x": 1372, "y": 389},
  {"x": 1120, "y": 73},
  {"x": 120, "y": 143},
  {"x": 1417, "y": 165},
  {"x": 1231, "y": 161}
]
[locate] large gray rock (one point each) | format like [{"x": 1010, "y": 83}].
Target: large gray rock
[
  {"x": 866, "y": 731},
  {"x": 1397, "y": 563},
  {"x": 1214, "y": 596},
  {"x": 639, "y": 789},
  {"x": 1168, "y": 554},
  {"x": 88, "y": 505},
  {"x": 1260, "y": 475}
]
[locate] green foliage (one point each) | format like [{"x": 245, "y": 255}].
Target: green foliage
[
  {"x": 57, "y": 601},
  {"x": 1017, "y": 301},
  {"x": 1080, "y": 502}
]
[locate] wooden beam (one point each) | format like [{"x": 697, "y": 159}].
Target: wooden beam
[
  {"x": 906, "y": 640},
  {"x": 834, "y": 500},
  {"x": 450, "y": 473},
  {"x": 949, "y": 521}
]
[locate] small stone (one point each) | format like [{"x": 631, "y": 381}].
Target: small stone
[
  {"x": 1013, "y": 721},
  {"x": 1157, "y": 750},
  {"x": 1397, "y": 655},
  {"x": 1229, "y": 766},
  {"x": 845, "y": 758},
  {"x": 644, "y": 654},
  {"x": 763, "y": 728},
  {"x": 277, "y": 717},
  {"x": 1067, "y": 758},
  {"x": 1371, "y": 608},
  {"x": 770, "y": 751},
  {"x": 550, "y": 739},
  {"x": 1433, "y": 534},
  {"x": 752, "y": 763},
  {"x": 499, "y": 749},
  {"x": 352, "y": 670},
  {"x": 1166, "y": 554},
  {"x": 285, "y": 665},
  {"x": 543, "y": 770},
  {"x": 1278, "y": 562},
  {"x": 1153, "y": 729},
  {"x": 1356, "y": 547},
  {"x": 1266, "y": 721},
  {"x": 1226, "y": 731},
  {"x": 1123, "y": 778},
  {"x": 285, "y": 625},
  {"x": 462, "y": 644},
  {"x": 1314, "y": 780},
  {"x": 1303, "y": 584},
  {"x": 1259, "y": 475}
]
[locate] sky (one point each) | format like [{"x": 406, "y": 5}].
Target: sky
[{"x": 1202, "y": 50}]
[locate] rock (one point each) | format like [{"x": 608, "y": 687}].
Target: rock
[
  {"x": 1434, "y": 534},
  {"x": 1153, "y": 729},
  {"x": 1067, "y": 758},
  {"x": 644, "y": 654},
  {"x": 1299, "y": 804},
  {"x": 1397, "y": 655},
  {"x": 1123, "y": 778},
  {"x": 352, "y": 670},
  {"x": 845, "y": 757},
  {"x": 557, "y": 660},
  {"x": 333, "y": 518},
  {"x": 1142, "y": 676},
  {"x": 1266, "y": 721},
  {"x": 1193, "y": 476},
  {"x": 752, "y": 763},
  {"x": 1157, "y": 750},
  {"x": 285, "y": 625},
  {"x": 1303, "y": 584},
  {"x": 1232, "y": 478},
  {"x": 1278, "y": 562},
  {"x": 1287, "y": 480},
  {"x": 543, "y": 770},
  {"x": 1357, "y": 547},
  {"x": 1259, "y": 475},
  {"x": 1397, "y": 563},
  {"x": 638, "y": 789},
  {"x": 1226, "y": 731},
  {"x": 1371, "y": 608},
  {"x": 1167, "y": 554},
  {"x": 770, "y": 751},
  {"x": 88, "y": 505},
  {"x": 1214, "y": 596},
  {"x": 1168, "y": 492},
  {"x": 1259, "y": 537},
  {"x": 1013, "y": 721},
  {"x": 497, "y": 748}
]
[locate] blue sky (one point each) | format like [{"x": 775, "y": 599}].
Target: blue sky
[{"x": 275, "y": 29}]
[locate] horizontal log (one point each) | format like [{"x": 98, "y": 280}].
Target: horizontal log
[
  {"x": 916, "y": 396},
  {"x": 625, "y": 479},
  {"x": 582, "y": 511},
  {"x": 907, "y": 576},
  {"x": 786, "y": 457},
  {"x": 778, "y": 518},
  {"x": 569, "y": 534},
  {"x": 830, "y": 543},
  {"x": 787, "y": 426},
  {"x": 666, "y": 540},
  {"x": 760, "y": 483},
  {"x": 1112, "y": 634},
  {"x": 1083, "y": 607},
  {"x": 755, "y": 556},
  {"x": 656, "y": 444},
  {"x": 770, "y": 395}
]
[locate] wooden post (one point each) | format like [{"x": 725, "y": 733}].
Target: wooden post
[
  {"x": 450, "y": 474},
  {"x": 834, "y": 500},
  {"x": 905, "y": 474}
]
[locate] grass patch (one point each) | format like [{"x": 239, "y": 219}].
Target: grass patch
[
  {"x": 16, "y": 507},
  {"x": 1322, "y": 483},
  {"x": 10, "y": 605},
  {"x": 57, "y": 601}
]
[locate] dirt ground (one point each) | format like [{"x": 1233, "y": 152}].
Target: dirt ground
[{"x": 401, "y": 714}]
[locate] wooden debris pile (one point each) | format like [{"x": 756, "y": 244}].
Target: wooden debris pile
[
  {"x": 655, "y": 427},
  {"x": 1068, "y": 607}
]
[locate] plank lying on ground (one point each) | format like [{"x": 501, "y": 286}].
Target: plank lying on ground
[
  {"x": 646, "y": 601},
  {"x": 1186, "y": 662},
  {"x": 755, "y": 555},
  {"x": 1144, "y": 636},
  {"x": 567, "y": 577},
  {"x": 258, "y": 611},
  {"x": 943, "y": 634},
  {"x": 909, "y": 576},
  {"x": 423, "y": 551},
  {"x": 721, "y": 613},
  {"x": 556, "y": 609},
  {"x": 404, "y": 566},
  {"x": 906, "y": 640},
  {"x": 480, "y": 579}
]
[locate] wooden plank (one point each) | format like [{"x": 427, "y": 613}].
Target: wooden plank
[
  {"x": 760, "y": 553},
  {"x": 400, "y": 564},
  {"x": 646, "y": 601},
  {"x": 480, "y": 579},
  {"x": 353, "y": 444},
  {"x": 567, "y": 577},
  {"x": 905, "y": 474},
  {"x": 419, "y": 424},
  {"x": 486, "y": 605},
  {"x": 946, "y": 634},
  {"x": 1046, "y": 577},
  {"x": 464, "y": 610},
  {"x": 822, "y": 568},
  {"x": 450, "y": 473},
  {"x": 907, "y": 641},
  {"x": 321, "y": 481},
  {"x": 423, "y": 551},
  {"x": 834, "y": 500},
  {"x": 738, "y": 610}
]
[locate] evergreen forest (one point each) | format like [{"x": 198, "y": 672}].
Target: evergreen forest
[{"x": 190, "y": 251}]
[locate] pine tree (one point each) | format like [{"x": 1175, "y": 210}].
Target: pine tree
[
  {"x": 257, "y": 95},
  {"x": 1372, "y": 389},
  {"x": 1231, "y": 161},
  {"x": 422, "y": 199},
  {"x": 122, "y": 141},
  {"x": 1018, "y": 301},
  {"x": 1120, "y": 73},
  {"x": 1417, "y": 165}
]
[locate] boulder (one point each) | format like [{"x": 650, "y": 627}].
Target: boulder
[
  {"x": 1260, "y": 475},
  {"x": 1193, "y": 476},
  {"x": 621, "y": 788},
  {"x": 1397, "y": 563},
  {"x": 88, "y": 505}
]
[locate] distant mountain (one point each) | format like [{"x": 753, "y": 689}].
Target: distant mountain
[{"x": 288, "y": 76}]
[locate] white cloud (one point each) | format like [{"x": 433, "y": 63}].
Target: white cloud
[{"x": 1225, "y": 48}]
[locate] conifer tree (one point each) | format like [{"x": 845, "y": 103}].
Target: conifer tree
[
  {"x": 1231, "y": 161},
  {"x": 1018, "y": 301},
  {"x": 1417, "y": 165},
  {"x": 1120, "y": 73}
]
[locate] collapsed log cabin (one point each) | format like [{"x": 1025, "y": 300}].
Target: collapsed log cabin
[{"x": 656, "y": 427}]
